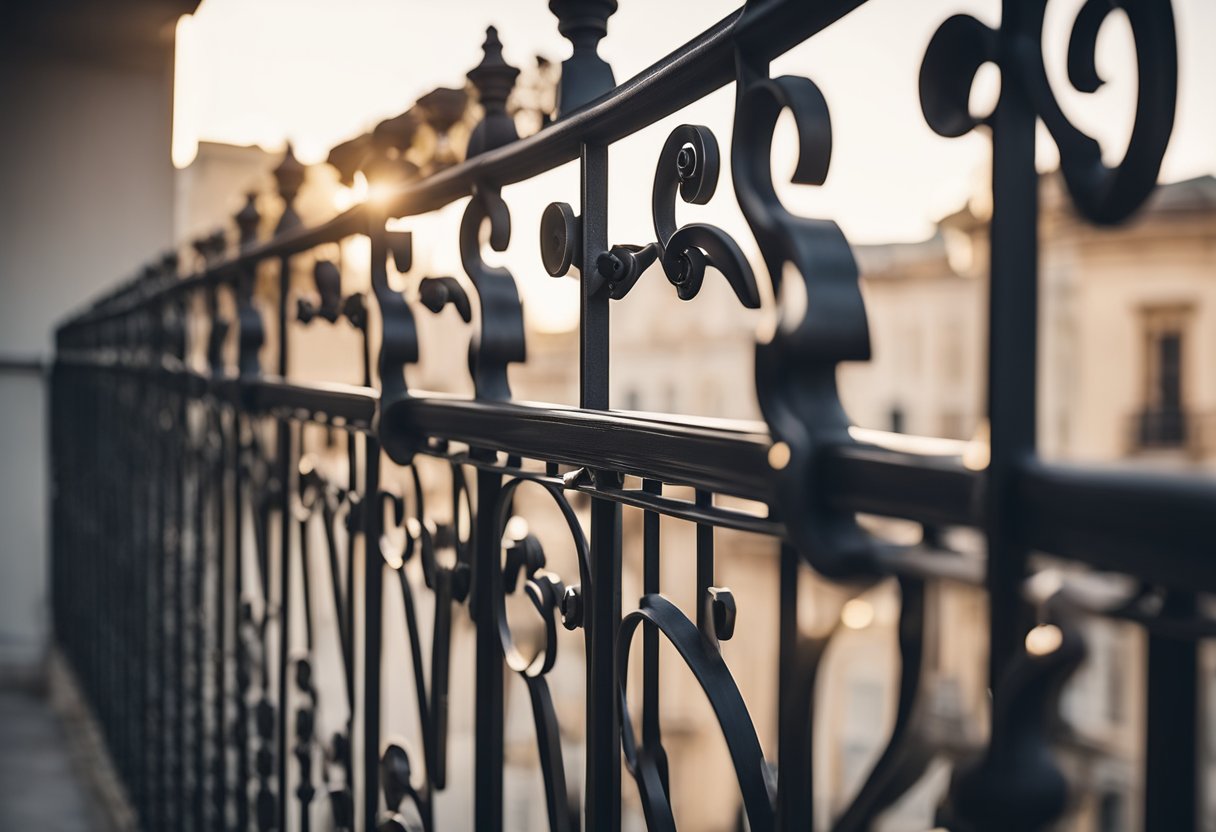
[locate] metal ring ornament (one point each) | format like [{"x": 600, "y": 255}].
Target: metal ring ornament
[
  {"x": 1103, "y": 194},
  {"x": 544, "y": 590},
  {"x": 543, "y": 587}
]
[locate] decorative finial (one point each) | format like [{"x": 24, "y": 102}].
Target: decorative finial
[
  {"x": 248, "y": 219},
  {"x": 494, "y": 79},
  {"x": 585, "y": 75},
  {"x": 290, "y": 176}
]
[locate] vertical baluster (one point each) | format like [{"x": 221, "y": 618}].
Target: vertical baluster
[
  {"x": 200, "y": 428},
  {"x": 603, "y": 610},
  {"x": 290, "y": 176},
  {"x": 1172, "y": 741},
  {"x": 1012, "y": 340},
  {"x": 213, "y": 474},
  {"x": 370, "y": 525},
  {"x": 173, "y": 428},
  {"x": 705, "y": 567},
  {"x": 652, "y": 737},
  {"x": 372, "y": 625},
  {"x": 249, "y": 342}
]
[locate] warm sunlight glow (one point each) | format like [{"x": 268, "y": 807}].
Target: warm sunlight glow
[
  {"x": 185, "y": 94},
  {"x": 517, "y": 528},
  {"x": 857, "y": 614},
  {"x": 979, "y": 451},
  {"x": 345, "y": 197},
  {"x": 1044, "y": 640}
]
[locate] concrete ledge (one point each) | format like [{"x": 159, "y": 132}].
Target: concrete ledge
[{"x": 86, "y": 746}]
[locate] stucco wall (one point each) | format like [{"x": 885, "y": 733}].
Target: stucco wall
[{"x": 88, "y": 192}]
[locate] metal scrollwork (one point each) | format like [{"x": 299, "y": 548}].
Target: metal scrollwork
[
  {"x": 821, "y": 320},
  {"x": 499, "y": 339},
  {"x": 1102, "y": 194},
  {"x": 319, "y": 498},
  {"x": 907, "y": 754},
  {"x": 451, "y": 584},
  {"x": 399, "y": 336},
  {"x": 200, "y": 539},
  {"x": 709, "y": 668},
  {"x": 525, "y": 559},
  {"x": 1014, "y": 784},
  {"x": 688, "y": 165}
]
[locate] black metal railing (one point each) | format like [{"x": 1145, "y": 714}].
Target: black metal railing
[{"x": 210, "y": 515}]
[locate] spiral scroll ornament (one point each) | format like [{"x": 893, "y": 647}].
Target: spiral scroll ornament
[{"x": 1102, "y": 194}]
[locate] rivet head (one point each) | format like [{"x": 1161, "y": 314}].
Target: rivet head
[
  {"x": 686, "y": 162},
  {"x": 778, "y": 456},
  {"x": 559, "y": 238},
  {"x": 572, "y": 607},
  {"x": 723, "y": 612}
]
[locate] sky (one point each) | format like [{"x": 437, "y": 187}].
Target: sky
[{"x": 317, "y": 72}]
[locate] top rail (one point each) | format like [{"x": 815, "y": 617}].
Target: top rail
[{"x": 699, "y": 67}]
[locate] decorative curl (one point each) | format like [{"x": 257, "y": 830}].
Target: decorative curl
[
  {"x": 821, "y": 317},
  {"x": 544, "y": 589},
  {"x": 715, "y": 679},
  {"x": 1103, "y": 194},
  {"x": 499, "y": 339},
  {"x": 689, "y": 164}
]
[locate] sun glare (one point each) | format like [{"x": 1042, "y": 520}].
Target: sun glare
[
  {"x": 185, "y": 93},
  {"x": 357, "y": 194}
]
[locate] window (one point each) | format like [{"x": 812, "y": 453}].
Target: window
[
  {"x": 1162, "y": 419},
  {"x": 1110, "y": 813},
  {"x": 898, "y": 421}
]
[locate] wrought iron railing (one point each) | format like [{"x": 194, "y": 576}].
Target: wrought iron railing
[
  {"x": 1156, "y": 429},
  {"x": 190, "y": 493}
]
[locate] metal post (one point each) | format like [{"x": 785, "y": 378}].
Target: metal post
[
  {"x": 1012, "y": 342},
  {"x": 1172, "y": 735},
  {"x": 603, "y": 602},
  {"x": 488, "y": 714}
]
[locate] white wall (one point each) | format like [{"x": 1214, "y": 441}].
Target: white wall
[{"x": 87, "y": 188}]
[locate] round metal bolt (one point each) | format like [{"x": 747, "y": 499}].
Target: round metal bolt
[
  {"x": 609, "y": 265},
  {"x": 681, "y": 277},
  {"x": 572, "y": 607},
  {"x": 686, "y": 162}
]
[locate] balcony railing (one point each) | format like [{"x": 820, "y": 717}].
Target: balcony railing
[
  {"x": 217, "y": 557},
  {"x": 1153, "y": 429}
]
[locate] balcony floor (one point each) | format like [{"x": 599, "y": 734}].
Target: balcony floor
[{"x": 40, "y": 786}]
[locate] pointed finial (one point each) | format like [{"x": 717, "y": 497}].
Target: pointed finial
[
  {"x": 290, "y": 176},
  {"x": 494, "y": 78},
  {"x": 585, "y": 75},
  {"x": 247, "y": 220}
]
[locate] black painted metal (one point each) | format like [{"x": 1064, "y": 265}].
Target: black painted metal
[{"x": 188, "y": 485}]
